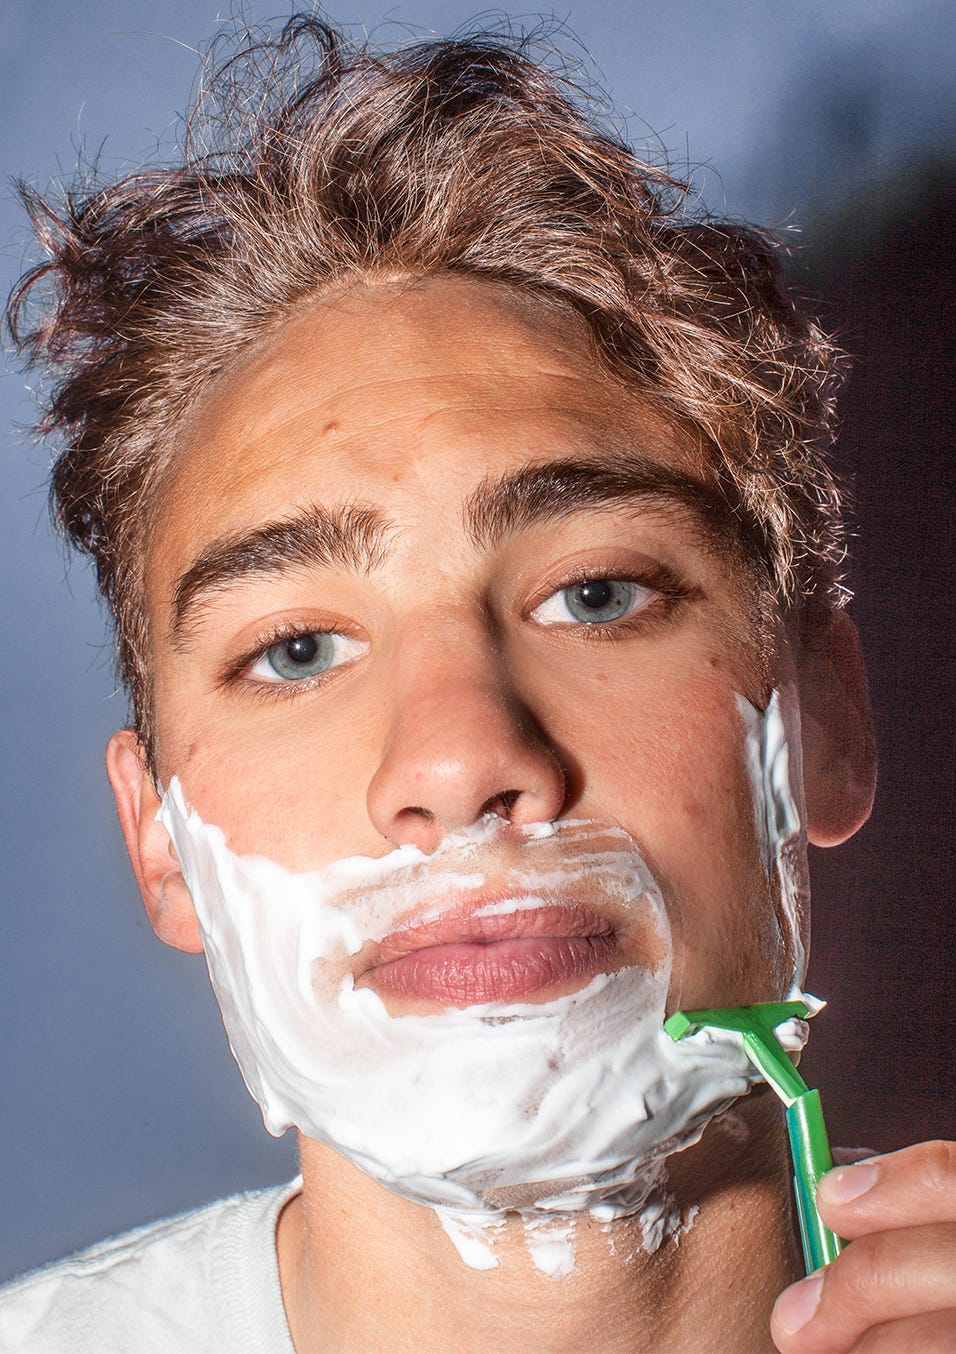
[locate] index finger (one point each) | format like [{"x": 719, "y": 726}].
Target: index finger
[{"x": 901, "y": 1189}]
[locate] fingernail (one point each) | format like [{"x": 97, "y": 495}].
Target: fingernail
[
  {"x": 848, "y": 1182},
  {"x": 796, "y": 1305}
]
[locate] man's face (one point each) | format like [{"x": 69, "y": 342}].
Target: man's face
[{"x": 374, "y": 615}]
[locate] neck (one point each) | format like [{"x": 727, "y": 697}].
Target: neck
[{"x": 364, "y": 1269}]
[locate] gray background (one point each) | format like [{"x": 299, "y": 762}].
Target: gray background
[{"x": 118, "y": 1098}]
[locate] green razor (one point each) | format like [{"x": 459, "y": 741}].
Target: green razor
[{"x": 809, "y": 1146}]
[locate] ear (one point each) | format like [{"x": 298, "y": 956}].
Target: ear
[
  {"x": 839, "y": 755},
  {"x": 157, "y": 871}
]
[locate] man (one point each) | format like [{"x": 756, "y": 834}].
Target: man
[{"x": 475, "y": 563}]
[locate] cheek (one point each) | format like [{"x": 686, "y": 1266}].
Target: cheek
[
  {"x": 279, "y": 784},
  {"x": 674, "y": 770},
  {"x": 670, "y": 770}
]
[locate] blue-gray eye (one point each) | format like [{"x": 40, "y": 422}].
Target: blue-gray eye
[
  {"x": 307, "y": 655},
  {"x": 593, "y": 601}
]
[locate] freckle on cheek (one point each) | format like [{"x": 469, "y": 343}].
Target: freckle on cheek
[{"x": 694, "y": 810}]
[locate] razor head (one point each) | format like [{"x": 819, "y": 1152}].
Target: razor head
[{"x": 760, "y": 1019}]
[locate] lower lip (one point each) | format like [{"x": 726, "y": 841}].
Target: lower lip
[{"x": 469, "y": 973}]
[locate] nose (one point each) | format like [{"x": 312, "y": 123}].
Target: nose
[{"x": 461, "y": 744}]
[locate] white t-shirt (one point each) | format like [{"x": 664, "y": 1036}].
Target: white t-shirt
[{"x": 205, "y": 1282}]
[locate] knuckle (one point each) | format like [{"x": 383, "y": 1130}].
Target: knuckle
[
  {"x": 935, "y": 1334},
  {"x": 938, "y": 1160},
  {"x": 858, "y": 1273},
  {"x": 873, "y": 1341}
]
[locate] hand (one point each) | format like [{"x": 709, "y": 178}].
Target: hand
[{"x": 893, "y": 1289}]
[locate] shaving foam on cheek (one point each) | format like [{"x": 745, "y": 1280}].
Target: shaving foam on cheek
[
  {"x": 772, "y": 754},
  {"x": 544, "y": 1109}
]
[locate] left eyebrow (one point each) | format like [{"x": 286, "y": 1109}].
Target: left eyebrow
[
  {"x": 546, "y": 492},
  {"x": 354, "y": 537}
]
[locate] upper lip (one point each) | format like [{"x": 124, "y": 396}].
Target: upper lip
[{"x": 471, "y": 921}]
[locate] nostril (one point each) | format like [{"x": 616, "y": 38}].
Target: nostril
[
  {"x": 415, "y": 826},
  {"x": 501, "y": 804}
]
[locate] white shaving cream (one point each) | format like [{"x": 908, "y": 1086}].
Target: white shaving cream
[
  {"x": 543, "y": 1109},
  {"x": 776, "y": 777}
]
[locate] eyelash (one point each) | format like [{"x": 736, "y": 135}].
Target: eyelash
[
  {"x": 671, "y": 594},
  {"x": 235, "y": 673},
  {"x": 657, "y": 578}
]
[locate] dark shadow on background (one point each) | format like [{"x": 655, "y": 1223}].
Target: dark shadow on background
[{"x": 883, "y": 941}]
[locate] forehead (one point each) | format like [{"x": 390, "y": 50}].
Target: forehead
[{"x": 400, "y": 394}]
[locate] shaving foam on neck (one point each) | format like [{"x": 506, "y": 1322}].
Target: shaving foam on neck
[{"x": 541, "y": 1109}]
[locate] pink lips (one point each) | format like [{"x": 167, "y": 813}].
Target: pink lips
[{"x": 464, "y": 959}]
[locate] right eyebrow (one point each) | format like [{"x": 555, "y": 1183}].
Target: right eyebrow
[
  {"x": 353, "y": 537},
  {"x": 541, "y": 492}
]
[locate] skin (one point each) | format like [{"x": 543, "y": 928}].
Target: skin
[{"x": 461, "y": 694}]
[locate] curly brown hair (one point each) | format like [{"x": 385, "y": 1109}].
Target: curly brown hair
[{"x": 309, "y": 161}]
